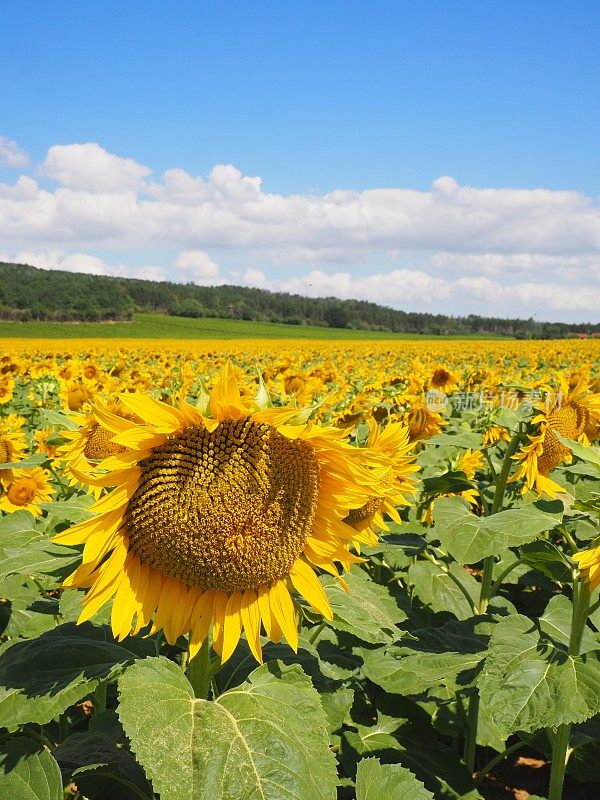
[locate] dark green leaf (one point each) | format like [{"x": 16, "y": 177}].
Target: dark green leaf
[
  {"x": 548, "y": 559},
  {"x": 440, "y": 592},
  {"x": 103, "y": 744},
  {"x": 27, "y": 772},
  {"x": 436, "y": 657},
  {"x": 41, "y": 677},
  {"x": 449, "y": 483}
]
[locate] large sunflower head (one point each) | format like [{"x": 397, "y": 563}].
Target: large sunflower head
[
  {"x": 570, "y": 417},
  {"x": 218, "y": 515}
]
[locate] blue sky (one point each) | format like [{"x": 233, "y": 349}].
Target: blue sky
[{"x": 327, "y": 105}]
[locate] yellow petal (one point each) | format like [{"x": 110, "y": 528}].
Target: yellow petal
[
  {"x": 265, "y": 610},
  {"x": 232, "y": 626},
  {"x": 125, "y": 603},
  {"x": 139, "y": 438},
  {"x": 250, "y": 615},
  {"x": 164, "y": 418},
  {"x": 282, "y": 609},
  {"x": 225, "y": 398},
  {"x": 307, "y": 584},
  {"x": 200, "y": 622},
  {"x": 219, "y": 607}
]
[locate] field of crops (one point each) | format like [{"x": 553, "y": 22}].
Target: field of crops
[{"x": 299, "y": 570}]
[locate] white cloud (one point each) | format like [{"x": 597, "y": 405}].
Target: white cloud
[
  {"x": 11, "y": 154},
  {"x": 90, "y": 168},
  {"x": 198, "y": 267},
  {"x": 517, "y": 263},
  {"x": 461, "y": 248},
  {"x": 398, "y": 288}
]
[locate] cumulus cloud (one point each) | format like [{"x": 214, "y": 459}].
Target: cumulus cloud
[
  {"x": 454, "y": 247},
  {"x": 198, "y": 267},
  {"x": 11, "y": 154},
  {"x": 90, "y": 168}
]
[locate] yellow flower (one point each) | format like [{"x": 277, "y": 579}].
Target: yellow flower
[
  {"x": 494, "y": 434},
  {"x": 7, "y": 388},
  {"x": 544, "y": 451},
  {"x": 423, "y": 423},
  {"x": 588, "y": 562},
  {"x": 442, "y": 380},
  {"x": 75, "y": 394},
  {"x": 396, "y": 484},
  {"x": 12, "y": 443},
  {"x": 26, "y": 490},
  {"x": 218, "y": 514}
]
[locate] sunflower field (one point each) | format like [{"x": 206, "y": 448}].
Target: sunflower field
[{"x": 275, "y": 570}]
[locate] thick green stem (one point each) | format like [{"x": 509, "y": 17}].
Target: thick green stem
[
  {"x": 200, "y": 670},
  {"x": 471, "y": 737},
  {"x": 486, "y": 584},
  {"x": 505, "y": 471},
  {"x": 485, "y": 594},
  {"x": 560, "y": 746},
  {"x": 100, "y": 698}
]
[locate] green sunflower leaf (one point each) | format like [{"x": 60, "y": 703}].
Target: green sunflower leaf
[
  {"x": 26, "y": 463},
  {"x": 548, "y": 559},
  {"x": 436, "y": 589},
  {"x": 38, "y": 557},
  {"x": 529, "y": 681},
  {"x": 266, "y": 738},
  {"x": 388, "y": 780},
  {"x": 23, "y": 612},
  {"x": 101, "y": 762},
  {"x": 469, "y": 538},
  {"x": 434, "y": 657},
  {"x": 41, "y": 677},
  {"x": 27, "y": 772},
  {"x": 467, "y": 440},
  {"x": 591, "y": 455},
  {"x": 368, "y": 611}
]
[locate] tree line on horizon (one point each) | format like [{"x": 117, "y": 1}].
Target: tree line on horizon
[{"x": 31, "y": 294}]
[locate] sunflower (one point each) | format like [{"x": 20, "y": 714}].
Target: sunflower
[
  {"x": 495, "y": 434},
  {"x": 422, "y": 422},
  {"x": 588, "y": 562},
  {"x": 442, "y": 380},
  {"x": 12, "y": 443},
  {"x": 26, "y": 489},
  {"x": 75, "y": 394},
  {"x": 578, "y": 413},
  {"x": 91, "y": 442},
  {"x": 7, "y": 388},
  {"x": 397, "y": 485},
  {"x": 218, "y": 514}
]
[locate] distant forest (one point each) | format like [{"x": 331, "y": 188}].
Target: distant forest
[{"x": 28, "y": 293}]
